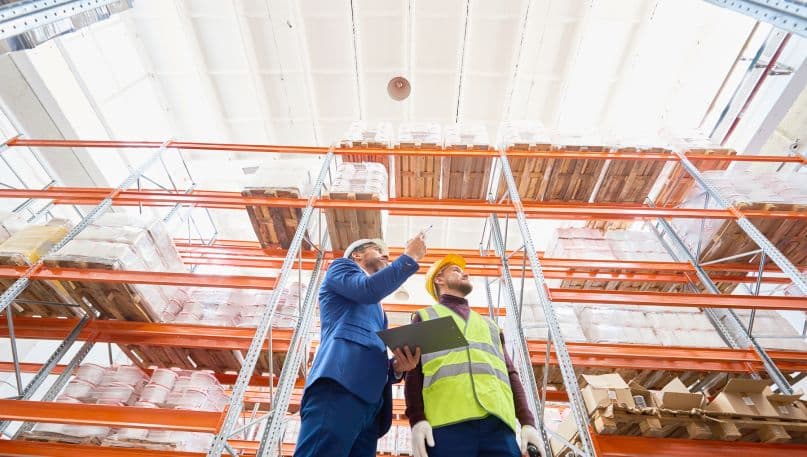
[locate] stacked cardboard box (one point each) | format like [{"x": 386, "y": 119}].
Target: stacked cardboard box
[{"x": 356, "y": 181}]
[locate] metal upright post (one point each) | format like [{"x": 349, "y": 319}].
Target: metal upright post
[
  {"x": 578, "y": 407},
  {"x": 244, "y": 375},
  {"x": 273, "y": 432},
  {"x": 513, "y": 315}
]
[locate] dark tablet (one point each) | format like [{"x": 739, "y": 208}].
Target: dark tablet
[{"x": 430, "y": 336}]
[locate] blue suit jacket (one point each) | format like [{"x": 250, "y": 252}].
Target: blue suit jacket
[{"x": 350, "y": 352}]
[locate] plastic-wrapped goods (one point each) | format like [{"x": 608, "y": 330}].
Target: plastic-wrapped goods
[
  {"x": 292, "y": 431},
  {"x": 467, "y": 135},
  {"x": 743, "y": 188},
  {"x": 365, "y": 177},
  {"x": 534, "y": 321},
  {"x": 29, "y": 244},
  {"x": 768, "y": 324},
  {"x": 386, "y": 444},
  {"x": 580, "y": 141},
  {"x": 286, "y": 312},
  {"x": 285, "y": 175},
  {"x": 420, "y": 134},
  {"x": 91, "y": 373},
  {"x": 158, "y": 231},
  {"x": 361, "y": 134},
  {"x": 525, "y": 135},
  {"x": 11, "y": 223},
  {"x": 403, "y": 440},
  {"x": 579, "y": 243}
]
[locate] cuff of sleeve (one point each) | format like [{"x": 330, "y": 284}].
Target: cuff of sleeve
[
  {"x": 527, "y": 420},
  {"x": 409, "y": 262},
  {"x": 414, "y": 418}
]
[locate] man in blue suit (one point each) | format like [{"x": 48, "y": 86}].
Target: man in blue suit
[{"x": 347, "y": 403}]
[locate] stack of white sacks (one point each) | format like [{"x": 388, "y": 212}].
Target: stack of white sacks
[
  {"x": 467, "y": 135},
  {"x": 420, "y": 133},
  {"x": 364, "y": 177},
  {"x": 650, "y": 325},
  {"x": 525, "y": 133},
  {"x": 743, "y": 186},
  {"x": 127, "y": 385},
  {"x": 242, "y": 308},
  {"x": 361, "y": 132}
]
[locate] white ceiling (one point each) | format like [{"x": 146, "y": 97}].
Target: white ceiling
[{"x": 298, "y": 72}]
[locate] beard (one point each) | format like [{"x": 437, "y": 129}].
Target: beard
[{"x": 462, "y": 286}]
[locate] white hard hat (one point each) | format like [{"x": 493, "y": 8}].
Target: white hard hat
[{"x": 376, "y": 241}]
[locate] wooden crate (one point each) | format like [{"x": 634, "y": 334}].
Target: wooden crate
[
  {"x": 622, "y": 285},
  {"x": 219, "y": 361},
  {"x": 528, "y": 172},
  {"x": 50, "y": 437},
  {"x": 680, "y": 182},
  {"x": 465, "y": 177},
  {"x": 346, "y": 225},
  {"x": 274, "y": 226},
  {"x": 417, "y": 176}
]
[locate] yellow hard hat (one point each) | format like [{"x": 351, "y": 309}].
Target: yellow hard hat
[{"x": 450, "y": 259}]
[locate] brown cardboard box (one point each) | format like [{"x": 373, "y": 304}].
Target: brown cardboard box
[
  {"x": 788, "y": 406},
  {"x": 675, "y": 395},
  {"x": 568, "y": 430},
  {"x": 744, "y": 396},
  {"x": 642, "y": 397},
  {"x": 603, "y": 390}
]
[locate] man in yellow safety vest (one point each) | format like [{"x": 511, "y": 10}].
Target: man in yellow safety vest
[{"x": 466, "y": 401}]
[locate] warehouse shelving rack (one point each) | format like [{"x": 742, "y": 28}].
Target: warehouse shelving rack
[{"x": 497, "y": 262}]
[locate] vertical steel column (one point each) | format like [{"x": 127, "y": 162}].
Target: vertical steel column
[
  {"x": 60, "y": 382},
  {"x": 272, "y": 434},
  {"x": 14, "y": 356},
  {"x": 578, "y": 407},
  {"x": 20, "y": 284},
  {"x": 49, "y": 365},
  {"x": 513, "y": 315},
  {"x": 237, "y": 397},
  {"x": 750, "y": 229}
]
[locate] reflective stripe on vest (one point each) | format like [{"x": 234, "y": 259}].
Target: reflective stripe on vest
[{"x": 467, "y": 383}]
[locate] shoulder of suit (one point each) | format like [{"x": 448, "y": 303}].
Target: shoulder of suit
[{"x": 345, "y": 263}]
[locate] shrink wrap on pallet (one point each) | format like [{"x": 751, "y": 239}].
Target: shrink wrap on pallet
[
  {"x": 420, "y": 134},
  {"x": 364, "y": 134},
  {"x": 529, "y": 135},
  {"x": 467, "y": 135}
]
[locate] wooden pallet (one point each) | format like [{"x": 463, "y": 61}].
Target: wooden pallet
[
  {"x": 544, "y": 179},
  {"x": 40, "y": 298},
  {"x": 112, "y": 300},
  {"x": 348, "y": 225},
  {"x": 358, "y": 158},
  {"x": 628, "y": 181},
  {"x": 417, "y": 176},
  {"x": 679, "y": 182},
  {"x": 622, "y": 285},
  {"x": 274, "y": 226},
  {"x": 50, "y": 437},
  {"x": 139, "y": 444},
  {"x": 465, "y": 177}
]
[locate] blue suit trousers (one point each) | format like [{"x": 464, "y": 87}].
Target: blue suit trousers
[{"x": 336, "y": 423}]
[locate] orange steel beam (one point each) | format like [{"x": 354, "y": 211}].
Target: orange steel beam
[
  {"x": 678, "y": 299},
  {"x": 420, "y": 207},
  {"x": 636, "y": 446},
  {"x": 18, "y": 448},
  {"x": 643, "y": 357},
  {"x": 148, "y": 334},
  {"x": 143, "y": 277},
  {"x": 558, "y": 152},
  {"x": 115, "y": 416}
]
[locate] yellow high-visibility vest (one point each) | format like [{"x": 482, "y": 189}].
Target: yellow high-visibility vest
[{"x": 467, "y": 383}]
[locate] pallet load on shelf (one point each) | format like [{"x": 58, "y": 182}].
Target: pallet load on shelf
[
  {"x": 772, "y": 330},
  {"x": 748, "y": 190},
  {"x": 361, "y": 135},
  {"x": 418, "y": 176},
  {"x": 676, "y": 181},
  {"x": 356, "y": 181},
  {"x": 122, "y": 242},
  {"x": 24, "y": 247},
  {"x": 624, "y": 245},
  {"x": 287, "y": 178},
  {"x": 222, "y": 308},
  {"x": 524, "y": 136},
  {"x": 466, "y": 177},
  {"x": 129, "y": 386},
  {"x": 745, "y": 410}
]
